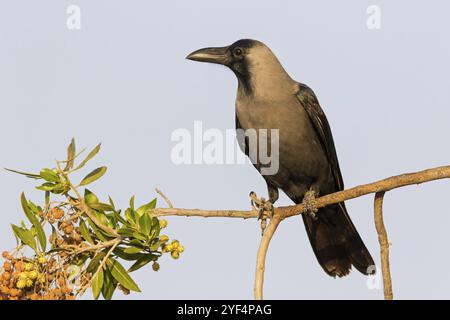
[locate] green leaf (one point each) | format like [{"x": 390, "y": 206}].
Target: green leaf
[
  {"x": 111, "y": 202},
  {"x": 146, "y": 207},
  {"x": 97, "y": 283},
  {"x": 49, "y": 175},
  {"x": 91, "y": 154},
  {"x": 33, "y": 219},
  {"x": 99, "y": 233},
  {"x": 47, "y": 186},
  {"x": 95, "y": 262},
  {"x": 28, "y": 175},
  {"x": 145, "y": 224},
  {"x": 127, "y": 256},
  {"x": 142, "y": 262},
  {"x": 71, "y": 151},
  {"x": 121, "y": 275},
  {"x": 93, "y": 176},
  {"x": 58, "y": 188},
  {"x": 139, "y": 236},
  {"x": 33, "y": 207},
  {"x": 90, "y": 197},
  {"x": 85, "y": 232},
  {"x": 156, "y": 229},
  {"x": 26, "y": 236},
  {"x": 132, "y": 250},
  {"x": 109, "y": 285},
  {"x": 119, "y": 217},
  {"x": 47, "y": 199},
  {"x": 101, "y": 207},
  {"x": 103, "y": 219},
  {"x": 127, "y": 232},
  {"x": 132, "y": 203},
  {"x": 130, "y": 214}
]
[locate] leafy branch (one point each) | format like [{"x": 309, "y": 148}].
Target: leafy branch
[{"x": 87, "y": 240}]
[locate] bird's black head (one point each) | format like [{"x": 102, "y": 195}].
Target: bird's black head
[{"x": 234, "y": 57}]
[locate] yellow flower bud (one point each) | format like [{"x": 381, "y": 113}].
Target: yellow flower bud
[
  {"x": 180, "y": 248},
  {"x": 155, "y": 266},
  {"x": 21, "y": 284},
  {"x": 164, "y": 238},
  {"x": 29, "y": 283},
  {"x": 163, "y": 223},
  {"x": 175, "y": 254},
  {"x": 175, "y": 243},
  {"x": 42, "y": 260},
  {"x": 23, "y": 275},
  {"x": 32, "y": 275},
  {"x": 28, "y": 266}
]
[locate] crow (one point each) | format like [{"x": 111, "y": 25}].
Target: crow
[{"x": 268, "y": 98}]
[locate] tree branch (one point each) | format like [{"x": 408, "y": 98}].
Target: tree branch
[
  {"x": 341, "y": 196},
  {"x": 280, "y": 213},
  {"x": 261, "y": 257},
  {"x": 384, "y": 245}
]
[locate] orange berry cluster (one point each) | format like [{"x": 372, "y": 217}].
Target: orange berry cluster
[{"x": 33, "y": 279}]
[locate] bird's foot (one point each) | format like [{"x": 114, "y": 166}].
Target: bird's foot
[
  {"x": 309, "y": 201},
  {"x": 263, "y": 207}
]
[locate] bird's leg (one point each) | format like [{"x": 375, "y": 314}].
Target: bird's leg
[
  {"x": 264, "y": 207},
  {"x": 309, "y": 201}
]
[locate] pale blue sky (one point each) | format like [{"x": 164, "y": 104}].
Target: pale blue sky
[{"x": 122, "y": 80}]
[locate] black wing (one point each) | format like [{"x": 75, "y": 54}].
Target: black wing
[
  {"x": 309, "y": 101},
  {"x": 340, "y": 244}
]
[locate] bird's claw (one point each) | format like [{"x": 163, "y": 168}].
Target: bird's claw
[
  {"x": 310, "y": 203},
  {"x": 263, "y": 207}
]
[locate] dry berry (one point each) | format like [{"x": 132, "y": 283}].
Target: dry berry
[
  {"x": 7, "y": 266},
  {"x": 68, "y": 229},
  {"x": 57, "y": 213},
  {"x": 18, "y": 266},
  {"x": 6, "y": 276},
  {"x": 34, "y": 296},
  {"x": 61, "y": 281}
]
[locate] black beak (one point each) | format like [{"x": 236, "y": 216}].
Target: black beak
[{"x": 213, "y": 55}]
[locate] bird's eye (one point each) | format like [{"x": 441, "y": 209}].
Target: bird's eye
[{"x": 237, "y": 52}]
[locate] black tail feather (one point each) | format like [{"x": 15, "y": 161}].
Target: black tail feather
[{"x": 336, "y": 243}]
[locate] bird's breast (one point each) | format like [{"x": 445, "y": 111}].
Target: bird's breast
[{"x": 301, "y": 155}]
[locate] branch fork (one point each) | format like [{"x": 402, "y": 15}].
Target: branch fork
[{"x": 379, "y": 188}]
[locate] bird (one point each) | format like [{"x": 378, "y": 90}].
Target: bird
[{"x": 268, "y": 98}]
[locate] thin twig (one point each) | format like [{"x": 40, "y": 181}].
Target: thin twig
[
  {"x": 158, "y": 191},
  {"x": 261, "y": 257},
  {"x": 384, "y": 245},
  {"x": 114, "y": 244}
]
